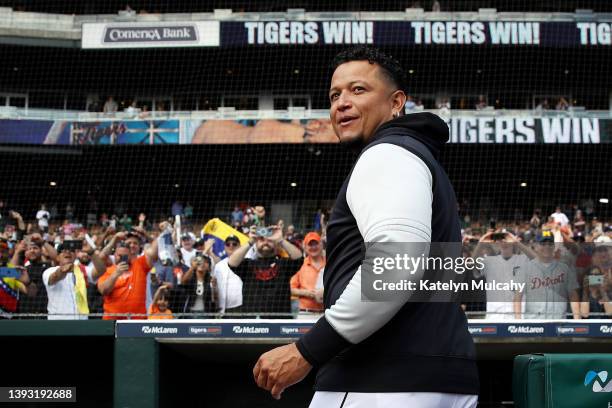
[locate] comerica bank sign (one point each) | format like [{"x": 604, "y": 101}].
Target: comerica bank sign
[
  {"x": 150, "y": 35},
  {"x": 131, "y": 34}
]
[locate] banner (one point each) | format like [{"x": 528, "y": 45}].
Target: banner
[
  {"x": 263, "y": 328},
  {"x": 125, "y": 132},
  {"x": 34, "y": 132},
  {"x": 150, "y": 35},
  {"x": 456, "y": 33},
  {"x": 463, "y": 128}
]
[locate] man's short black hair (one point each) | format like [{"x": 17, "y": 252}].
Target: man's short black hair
[{"x": 391, "y": 68}]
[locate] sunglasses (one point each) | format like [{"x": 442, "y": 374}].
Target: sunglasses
[{"x": 231, "y": 244}]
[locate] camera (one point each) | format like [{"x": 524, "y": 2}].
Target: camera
[
  {"x": 199, "y": 258},
  {"x": 264, "y": 232},
  {"x": 72, "y": 245},
  {"x": 498, "y": 236},
  {"x": 596, "y": 280}
]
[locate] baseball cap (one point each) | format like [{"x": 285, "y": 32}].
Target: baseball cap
[
  {"x": 232, "y": 238},
  {"x": 312, "y": 236},
  {"x": 545, "y": 236},
  {"x": 188, "y": 235}
]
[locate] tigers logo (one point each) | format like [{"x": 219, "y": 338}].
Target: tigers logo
[
  {"x": 598, "y": 380},
  {"x": 266, "y": 274}
]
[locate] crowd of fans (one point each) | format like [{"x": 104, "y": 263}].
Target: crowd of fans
[{"x": 116, "y": 268}]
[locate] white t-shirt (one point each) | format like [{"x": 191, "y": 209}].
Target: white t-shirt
[
  {"x": 229, "y": 286},
  {"x": 62, "y": 304},
  {"x": 188, "y": 255},
  {"x": 500, "y": 304},
  {"x": 560, "y": 218},
  {"x": 43, "y": 222}
]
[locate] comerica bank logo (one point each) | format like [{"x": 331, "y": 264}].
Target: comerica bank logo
[
  {"x": 599, "y": 381},
  {"x": 250, "y": 330}
]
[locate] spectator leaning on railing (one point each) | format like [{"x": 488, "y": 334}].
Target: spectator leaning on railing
[
  {"x": 304, "y": 282},
  {"x": 550, "y": 284},
  {"x": 38, "y": 257},
  {"x": 229, "y": 285},
  {"x": 123, "y": 285},
  {"x": 503, "y": 267},
  {"x": 597, "y": 286},
  {"x": 199, "y": 288}
]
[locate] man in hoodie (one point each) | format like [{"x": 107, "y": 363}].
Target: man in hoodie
[{"x": 395, "y": 353}]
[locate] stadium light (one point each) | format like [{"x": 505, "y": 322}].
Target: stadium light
[
  {"x": 294, "y": 184},
  {"x": 523, "y": 184},
  {"x": 53, "y": 184},
  {"x": 604, "y": 200},
  {"x": 177, "y": 185}
]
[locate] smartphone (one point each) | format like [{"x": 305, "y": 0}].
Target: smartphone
[
  {"x": 123, "y": 258},
  {"x": 72, "y": 245},
  {"x": 596, "y": 280},
  {"x": 498, "y": 236},
  {"x": 492, "y": 224}
]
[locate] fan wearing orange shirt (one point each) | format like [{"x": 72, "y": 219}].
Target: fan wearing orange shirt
[
  {"x": 304, "y": 282},
  {"x": 124, "y": 285}
]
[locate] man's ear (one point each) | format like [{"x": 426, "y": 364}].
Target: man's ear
[{"x": 399, "y": 100}]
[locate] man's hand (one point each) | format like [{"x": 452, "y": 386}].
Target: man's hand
[
  {"x": 280, "y": 368},
  {"x": 120, "y": 236},
  {"x": 15, "y": 215},
  {"x": 277, "y": 235},
  {"x": 37, "y": 238},
  {"x": 122, "y": 267},
  {"x": 487, "y": 237},
  {"x": 21, "y": 246},
  {"x": 208, "y": 245},
  {"x": 319, "y": 295}
]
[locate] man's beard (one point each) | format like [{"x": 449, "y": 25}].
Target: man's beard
[
  {"x": 354, "y": 144},
  {"x": 266, "y": 251}
]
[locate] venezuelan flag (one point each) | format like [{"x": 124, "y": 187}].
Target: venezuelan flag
[{"x": 219, "y": 231}]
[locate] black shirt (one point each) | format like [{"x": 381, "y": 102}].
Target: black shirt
[
  {"x": 38, "y": 302},
  {"x": 265, "y": 284}
]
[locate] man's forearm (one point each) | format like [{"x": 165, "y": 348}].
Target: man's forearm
[
  {"x": 107, "y": 286},
  {"x": 518, "y": 306},
  {"x": 51, "y": 252},
  {"x": 16, "y": 259},
  {"x": 99, "y": 265},
  {"x": 106, "y": 251},
  {"x": 575, "y": 304},
  {"x": 151, "y": 252},
  {"x": 57, "y": 276},
  {"x": 302, "y": 293},
  {"x": 238, "y": 256},
  {"x": 292, "y": 250},
  {"x": 530, "y": 253}
]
